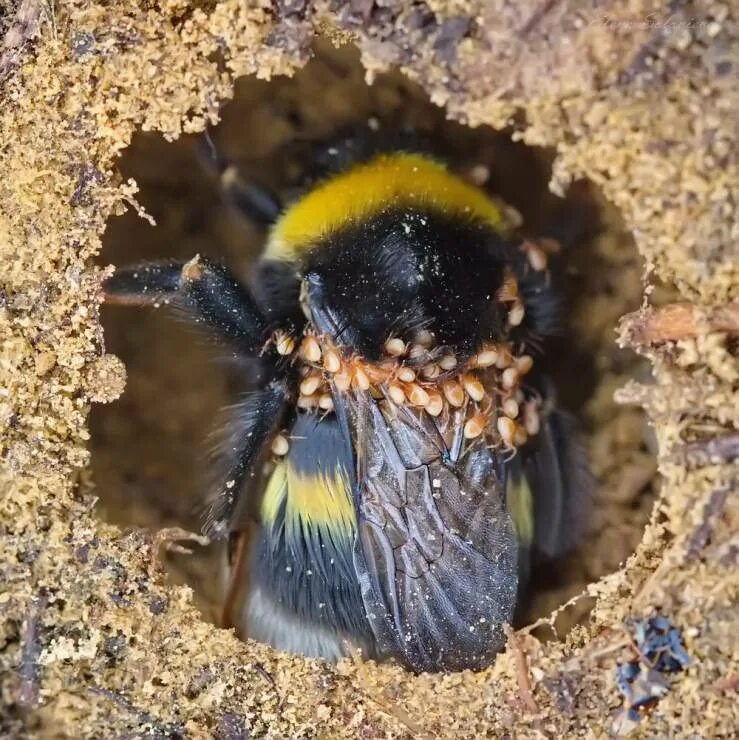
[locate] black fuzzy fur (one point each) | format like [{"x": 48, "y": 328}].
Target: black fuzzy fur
[{"x": 406, "y": 269}]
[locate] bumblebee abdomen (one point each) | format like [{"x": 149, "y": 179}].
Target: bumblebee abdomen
[{"x": 302, "y": 560}]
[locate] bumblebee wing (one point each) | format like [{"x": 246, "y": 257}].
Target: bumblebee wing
[{"x": 435, "y": 552}]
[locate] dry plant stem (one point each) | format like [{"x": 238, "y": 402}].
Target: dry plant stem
[
  {"x": 523, "y": 676},
  {"x": 713, "y": 451},
  {"x": 385, "y": 703},
  {"x": 270, "y": 679},
  {"x": 28, "y": 692},
  {"x": 728, "y": 683},
  {"x": 168, "y": 539},
  {"x": 677, "y": 321},
  {"x": 143, "y": 718},
  {"x": 702, "y": 534},
  {"x": 593, "y": 656},
  {"x": 238, "y": 580},
  {"x": 641, "y": 599},
  {"x": 550, "y": 619}
]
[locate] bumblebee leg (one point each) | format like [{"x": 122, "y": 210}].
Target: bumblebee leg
[
  {"x": 549, "y": 484},
  {"x": 259, "y": 418},
  {"x": 254, "y": 200},
  {"x": 562, "y": 484},
  {"x": 238, "y": 576},
  {"x": 205, "y": 292}
]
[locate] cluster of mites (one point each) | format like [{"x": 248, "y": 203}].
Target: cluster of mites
[{"x": 409, "y": 376}]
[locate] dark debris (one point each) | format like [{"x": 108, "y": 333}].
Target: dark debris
[
  {"x": 148, "y": 725},
  {"x": 83, "y": 44},
  {"x": 158, "y": 605},
  {"x": 115, "y": 648},
  {"x": 564, "y": 689},
  {"x": 232, "y": 727},
  {"x": 659, "y": 648},
  {"x": 451, "y": 32},
  {"x": 28, "y": 693},
  {"x": 660, "y": 644},
  {"x": 89, "y": 175}
]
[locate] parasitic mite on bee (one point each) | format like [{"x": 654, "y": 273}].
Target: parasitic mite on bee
[{"x": 401, "y": 460}]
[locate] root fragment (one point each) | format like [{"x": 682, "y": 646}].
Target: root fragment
[
  {"x": 523, "y": 677},
  {"x": 713, "y": 451},
  {"x": 653, "y": 326}
]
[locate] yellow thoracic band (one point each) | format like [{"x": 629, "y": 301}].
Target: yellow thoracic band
[
  {"x": 389, "y": 180},
  {"x": 311, "y": 501}
]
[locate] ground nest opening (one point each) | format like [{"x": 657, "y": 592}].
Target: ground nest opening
[{"x": 149, "y": 448}]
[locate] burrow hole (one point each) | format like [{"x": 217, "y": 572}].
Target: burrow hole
[{"x": 149, "y": 448}]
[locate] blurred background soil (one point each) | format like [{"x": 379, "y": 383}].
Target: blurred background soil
[{"x": 149, "y": 449}]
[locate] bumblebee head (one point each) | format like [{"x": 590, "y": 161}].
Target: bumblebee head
[{"x": 404, "y": 272}]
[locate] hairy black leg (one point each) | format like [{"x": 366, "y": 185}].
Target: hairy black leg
[
  {"x": 256, "y": 422},
  {"x": 211, "y": 296},
  {"x": 276, "y": 288},
  {"x": 255, "y": 200},
  {"x": 559, "y": 474},
  {"x": 541, "y": 298},
  {"x": 207, "y": 293}
]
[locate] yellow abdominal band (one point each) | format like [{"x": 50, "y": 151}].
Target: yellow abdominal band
[
  {"x": 520, "y": 505},
  {"x": 311, "y": 501},
  {"x": 389, "y": 180}
]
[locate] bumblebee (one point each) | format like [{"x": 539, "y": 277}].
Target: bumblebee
[{"x": 400, "y": 460}]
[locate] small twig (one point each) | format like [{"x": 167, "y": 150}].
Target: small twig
[
  {"x": 168, "y": 538},
  {"x": 270, "y": 679},
  {"x": 598, "y": 653},
  {"x": 726, "y": 683},
  {"x": 537, "y": 16},
  {"x": 522, "y": 670},
  {"x": 29, "y": 687},
  {"x": 50, "y": 13},
  {"x": 713, "y": 508},
  {"x": 118, "y": 700},
  {"x": 714, "y": 451},
  {"x": 238, "y": 581},
  {"x": 654, "y": 578},
  {"x": 142, "y": 717},
  {"x": 550, "y": 619},
  {"x": 608, "y": 650},
  {"x": 650, "y": 326},
  {"x": 386, "y": 705}
]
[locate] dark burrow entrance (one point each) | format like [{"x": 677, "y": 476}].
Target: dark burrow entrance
[{"x": 149, "y": 449}]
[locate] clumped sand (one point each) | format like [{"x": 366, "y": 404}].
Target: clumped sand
[{"x": 93, "y": 641}]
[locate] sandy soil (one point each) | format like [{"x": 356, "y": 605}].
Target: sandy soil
[{"x": 94, "y": 640}]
